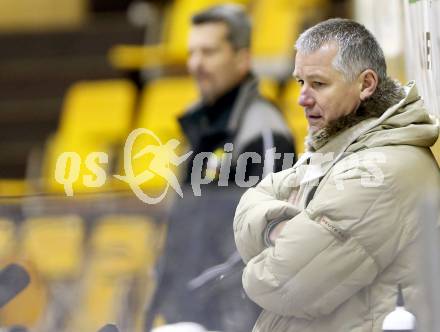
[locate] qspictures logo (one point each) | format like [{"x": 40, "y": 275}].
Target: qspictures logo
[
  {"x": 163, "y": 156},
  {"x": 160, "y": 160}
]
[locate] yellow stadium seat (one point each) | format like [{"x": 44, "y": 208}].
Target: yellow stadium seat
[
  {"x": 122, "y": 244},
  {"x": 17, "y": 15},
  {"x": 73, "y": 170},
  {"x": 98, "y": 110},
  {"x": 294, "y": 114},
  {"x": 162, "y": 102},
  {"x": 277, "y": 24},
  {"x": 97, "y": 117},
  {"x": 54, "y": 245},
  {"x": 28, "y": 307},
  {"x": 13, "y": 187},
  {"x": 173, "y": 48},
  {"x": 270, "y": 89},
  {"x": 123, "y": 249},
  {"x": 100, "y": 302},
  {"x": 7, "y": 238},
  {"x": 179, "y": 22},
  {"x": 104, "y": 299}
]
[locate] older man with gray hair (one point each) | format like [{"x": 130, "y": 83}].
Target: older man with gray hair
[{"x": 327, "y": 242}]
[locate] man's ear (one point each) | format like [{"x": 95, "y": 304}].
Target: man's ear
[
  {"x": 244, "y": 60},
  {"x": 369, "y": 81}
]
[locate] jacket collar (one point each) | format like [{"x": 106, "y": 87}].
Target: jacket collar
[
  {"x": 340, "y": 143},
  {"x": 191, "y": 121},
  {"x": 388, "y": 93}
]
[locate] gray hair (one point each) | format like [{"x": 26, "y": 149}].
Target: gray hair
[
  {"x": 358, "y": 50},
  {"x": 235, "y": 18}
]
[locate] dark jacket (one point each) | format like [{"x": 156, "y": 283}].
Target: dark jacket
[
  {"x": 200, "y": 272},
  {"x": 245, "y": 119}
]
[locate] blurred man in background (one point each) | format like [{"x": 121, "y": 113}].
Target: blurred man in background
[
  {"x": 201, "y": 271},
  {"x": 231, "y": 110}
]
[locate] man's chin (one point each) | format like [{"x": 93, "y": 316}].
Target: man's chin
[
  {"x": 207, "y": 94},
  {"x": 314, "y": 128},
  {"x": 207, "y": 97}
]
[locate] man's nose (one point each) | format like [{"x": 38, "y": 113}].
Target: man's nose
[
  {"x": 194, "y": 62},
  {"x": 305, "y": 99}
]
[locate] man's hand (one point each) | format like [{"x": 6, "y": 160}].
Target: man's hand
[{"x": 275, "y": 232}]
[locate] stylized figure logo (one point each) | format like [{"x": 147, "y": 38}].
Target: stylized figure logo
[{"x": 163, "y": 156}]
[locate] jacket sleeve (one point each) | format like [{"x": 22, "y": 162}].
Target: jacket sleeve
[
  {"x": 282, "y": 144},
  {"x": 329, "y": 251},
  {"x": 257, "y": 207}
]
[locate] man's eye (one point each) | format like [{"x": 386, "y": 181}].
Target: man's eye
[
  {"x": 318, "y": 84},
  {"x": 301, "y": 82},
  {"x": 209, "y": 51}
]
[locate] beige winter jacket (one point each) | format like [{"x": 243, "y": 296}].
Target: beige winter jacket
[{"x": 336, "y": 263}]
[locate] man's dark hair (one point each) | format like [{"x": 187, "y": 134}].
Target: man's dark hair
[{"x": 236, "y": 20}]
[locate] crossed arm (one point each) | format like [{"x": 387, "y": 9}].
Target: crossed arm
[{"x": 320, "y": 256}]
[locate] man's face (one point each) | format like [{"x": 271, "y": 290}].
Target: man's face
[
  {"x": 325, "y": 94},
  {"x": 213, "y": 62}
]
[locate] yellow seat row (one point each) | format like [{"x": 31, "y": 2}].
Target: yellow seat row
[
  {"x": 56, "y": 245},
  {"x": 96, "y": 117},
  {"x": 83, "y": 129},
  {"x": 123, "y": 251},
  {"x": 118, "y": 259},
  {"x": 277, "y": 23},
  {"x": 103, "y": 125},
  {"x": 172, "y": 49},
  {"x": 161, "y": 102}
]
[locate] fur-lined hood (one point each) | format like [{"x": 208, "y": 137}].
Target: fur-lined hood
[{"x": 388, "y": 93}]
